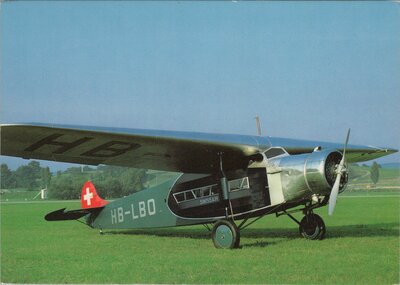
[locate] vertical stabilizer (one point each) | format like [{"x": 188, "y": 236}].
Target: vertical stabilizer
[{"x": 90, "y": 198}]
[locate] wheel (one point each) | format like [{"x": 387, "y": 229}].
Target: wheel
[
  {"x": 312, "y": 227},
  {"x": 225, "y": 234}
]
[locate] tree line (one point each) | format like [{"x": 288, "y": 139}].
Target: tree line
[
  {"x": 110, "y": 181},
  {"x": 30, "y": 176}
]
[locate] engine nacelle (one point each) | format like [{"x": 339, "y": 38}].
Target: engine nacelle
[{"x": 300, "y": 176}]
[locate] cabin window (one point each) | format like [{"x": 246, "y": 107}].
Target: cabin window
[{"x": 274, "y": 151}]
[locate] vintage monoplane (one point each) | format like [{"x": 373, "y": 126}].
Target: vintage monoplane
[{"x": 224, "y": 178}]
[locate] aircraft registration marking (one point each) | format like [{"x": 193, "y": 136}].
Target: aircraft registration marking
[
  {"x": 141, "y": 210},
  {"x": 108, "y": 149}
]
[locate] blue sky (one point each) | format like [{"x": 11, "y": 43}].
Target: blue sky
[{"x": 310, "y": 70}]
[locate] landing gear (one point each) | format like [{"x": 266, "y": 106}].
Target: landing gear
[
  {"x": 312, "y": 227},
  {"x": 225, "y": 234}
]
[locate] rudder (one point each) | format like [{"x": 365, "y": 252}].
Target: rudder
[{"x": 90, "y": 198}]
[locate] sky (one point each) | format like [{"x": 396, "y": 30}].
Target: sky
[{"x": 309, "y": 70}]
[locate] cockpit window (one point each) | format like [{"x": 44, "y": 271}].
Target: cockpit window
[{"x": 274, "y": 151}]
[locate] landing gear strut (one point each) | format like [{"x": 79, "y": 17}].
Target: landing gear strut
[
  {"x": 225, "y": 234},
  {"x": 312, "y": 227}
]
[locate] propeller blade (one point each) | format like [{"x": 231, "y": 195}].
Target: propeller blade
[
  {"x": 334, "y": 194},
  {"x": 336, "y": 185},
  {"x": 345, "y": 145}
]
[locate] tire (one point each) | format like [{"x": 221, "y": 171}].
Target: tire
[
  {"x": 225, "y": 234},
  {"x": 312, "y": 227}
]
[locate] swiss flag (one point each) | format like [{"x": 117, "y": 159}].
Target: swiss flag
[{"x": 90, "y": 198}]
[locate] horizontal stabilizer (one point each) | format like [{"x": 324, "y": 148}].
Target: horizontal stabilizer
[{"x": 62, "y": 215}]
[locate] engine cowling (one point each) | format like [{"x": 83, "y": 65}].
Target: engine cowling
[{"x": 306, "y": 174}]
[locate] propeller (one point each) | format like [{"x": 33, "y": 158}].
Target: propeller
[{"x": 340, "y": 170}]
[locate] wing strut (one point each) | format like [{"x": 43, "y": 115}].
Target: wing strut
[{"x": 225, "y": 188}]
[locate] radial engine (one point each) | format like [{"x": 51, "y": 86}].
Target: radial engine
[{"x": 304, "y": 175}]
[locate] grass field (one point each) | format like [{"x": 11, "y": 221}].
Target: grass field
[
  {"x": 19, "y": 195},
  {"x": 361, "y": 246},
  {"x": 360, "y": 179}
]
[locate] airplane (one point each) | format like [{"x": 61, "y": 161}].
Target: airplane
[{"x": 225, "y": 182}]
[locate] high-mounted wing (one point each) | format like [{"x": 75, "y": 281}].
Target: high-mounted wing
[
  {"x": 151, "y": 149},
  {"x": 161, "y": 150},
  {"x": 355, "y": 153}
]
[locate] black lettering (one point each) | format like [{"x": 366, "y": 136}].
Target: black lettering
[
  {"x": 63, "y": 146},
  {"x": 111, "y": 149}
]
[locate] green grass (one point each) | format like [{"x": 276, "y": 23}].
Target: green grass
[
  {"x": 361, "y": 175},
  {"x": 19, "y": 194},
  {"x": 361, "y": 246}
]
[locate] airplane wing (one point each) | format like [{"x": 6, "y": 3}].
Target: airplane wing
[
  {"x": 148, "y": 149},
  {"x": 151, "y": 149}
]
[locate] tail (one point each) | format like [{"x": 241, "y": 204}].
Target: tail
[
  {"x": 90, "y": 198},
  {"x": 91, "y": 204}
]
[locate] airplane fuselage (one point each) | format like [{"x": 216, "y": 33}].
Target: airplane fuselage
[{"x": 262, "y": 188}]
